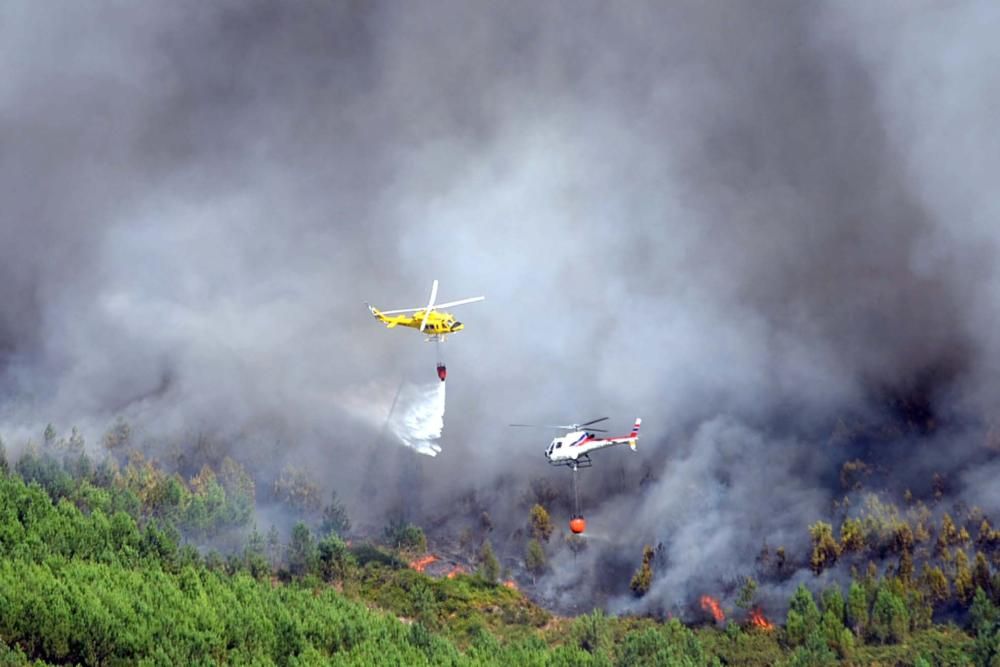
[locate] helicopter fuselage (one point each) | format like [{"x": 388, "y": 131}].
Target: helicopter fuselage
[{"x": 574, "y": 447}]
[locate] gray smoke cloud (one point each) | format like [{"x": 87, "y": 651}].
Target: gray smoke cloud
[{"x": 738, "y": 222}]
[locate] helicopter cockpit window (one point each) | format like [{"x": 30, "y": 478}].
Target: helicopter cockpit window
[{"x": 559, "y": 445}]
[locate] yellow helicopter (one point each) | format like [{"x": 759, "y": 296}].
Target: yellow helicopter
[{"x": 428, "y": 320}]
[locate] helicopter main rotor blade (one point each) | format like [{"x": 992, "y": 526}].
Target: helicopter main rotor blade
[
  {"x": 461, "y": 302},
  {"x": 561, "y": 427},
  {"x": 580, "y": 427},
  {"x": 430, "y": 304},
  {"x": 594, "y": 421}
]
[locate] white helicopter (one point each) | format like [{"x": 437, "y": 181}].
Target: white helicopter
[{"x": 573, "y": 449}]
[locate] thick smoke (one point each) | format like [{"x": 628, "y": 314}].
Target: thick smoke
[{"x": 738, "y": 222}]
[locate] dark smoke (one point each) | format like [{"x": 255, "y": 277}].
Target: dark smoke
[{"x": 741, "y": 223}]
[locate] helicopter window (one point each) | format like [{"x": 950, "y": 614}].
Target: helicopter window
[{"x": 559, "y": 445}]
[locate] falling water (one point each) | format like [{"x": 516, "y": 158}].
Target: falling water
[{"x": 418, "y": 416}]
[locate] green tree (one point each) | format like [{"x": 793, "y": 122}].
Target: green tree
[
  {"x": 921, "y": 609},
  {"x": 813, "y": 653},
  {"x": 294, "y": 488},
  {"x": 964, "y": 587},
  {"x": 649, "y": 648},
  {"x": 540, "y": 523},
  {"x": 118, "y": 436},
  {"x": 981, "y": 573},
  {"x": 335, "y": 517},
  {"x": 902, "y": 537},
  {"x": 334, "y": 557},
  {"x": 803, "y": 616},
  {"x": 904, "y": 568},
  {"x": 643, "y": 577},
  {"x": 489, "y": 566},
  {"x": 836, "y": 636},
  {"x": 405, "y": 536},
  {"x": 833, "y": 602},
  {"x": 302, "y": 554},
  {"x": 745, "y": 599},
  {"x": 825, "y": 549},
  {"x": 852, "y": 536},
  {"x": 857, "y": 609},
  {"x": 948, "y": 535},
  {"x": 985, "y": 623},
  {"x": 534, "y": 559},
  {"x": 592, "y": 632},
  {"x": 890, "y": 619},
  {"x": 240, "y": 492},
  {"x": 76, "y": 444},
  {"x": 49, "y": 436},
  {"x": 254, "y": 555},
  {"x": 935, "y": 583}
]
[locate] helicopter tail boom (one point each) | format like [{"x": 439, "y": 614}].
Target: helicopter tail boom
[{"x": 389, "y": 322}]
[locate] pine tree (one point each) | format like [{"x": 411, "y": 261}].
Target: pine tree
[
  {"x": 852, "y": 536},
  {"x": 643, "y": 577},
  {"x": 489, "y": 566},
  {"x": 981, "y": 573},
  {"x": 334, "y": 557},
  {"x": 905, "y": 567},
  {"x": 857, "y": 609},
  {"x": 540, "y": 523},
  {"x": 254, "y": 555},
  {"x": 936, "y": 584},
  {"x": 335, "y": 517},
  {"x": 985, "y": 622},
  {"x": 964, "y": 588},
  {"x": 890, "y": 618},
  {"x": 49, "y": 436},
  {"x": 825, "y": 548},
  {"x": 534, "y": 559},
  {"x": 76, "y": 444},
  {"x": 833, "y": 602},
  {"x": 302, "y": 553},
  {"x": 948, "y": 535},
  {"x": 273, "y": 545},
  {"x": 986, "y": 533},
  {"x": 803, "y": 616},
  {"x": 745, "y": 599},
  {"x": 832, "y": 629}
]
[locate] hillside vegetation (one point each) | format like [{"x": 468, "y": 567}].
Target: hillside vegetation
[{"x": 97, "y": 567}]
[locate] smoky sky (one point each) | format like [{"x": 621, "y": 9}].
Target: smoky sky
[{"x": 719, "y": 217}]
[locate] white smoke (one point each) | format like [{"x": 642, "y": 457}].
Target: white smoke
[{"x": 417, "y": 418}]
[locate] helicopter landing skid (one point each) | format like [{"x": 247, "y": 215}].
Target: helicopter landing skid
[{"x": 582, "y": 462}]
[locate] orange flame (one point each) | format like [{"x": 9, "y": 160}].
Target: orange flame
[
  {"x": 455, "y": 571},
  {"x": 511, "y": 584},
  {"x": 711, "y": 605},
  {"x": 422, "y": 563},
  {"x": 758, "y": 620}
]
